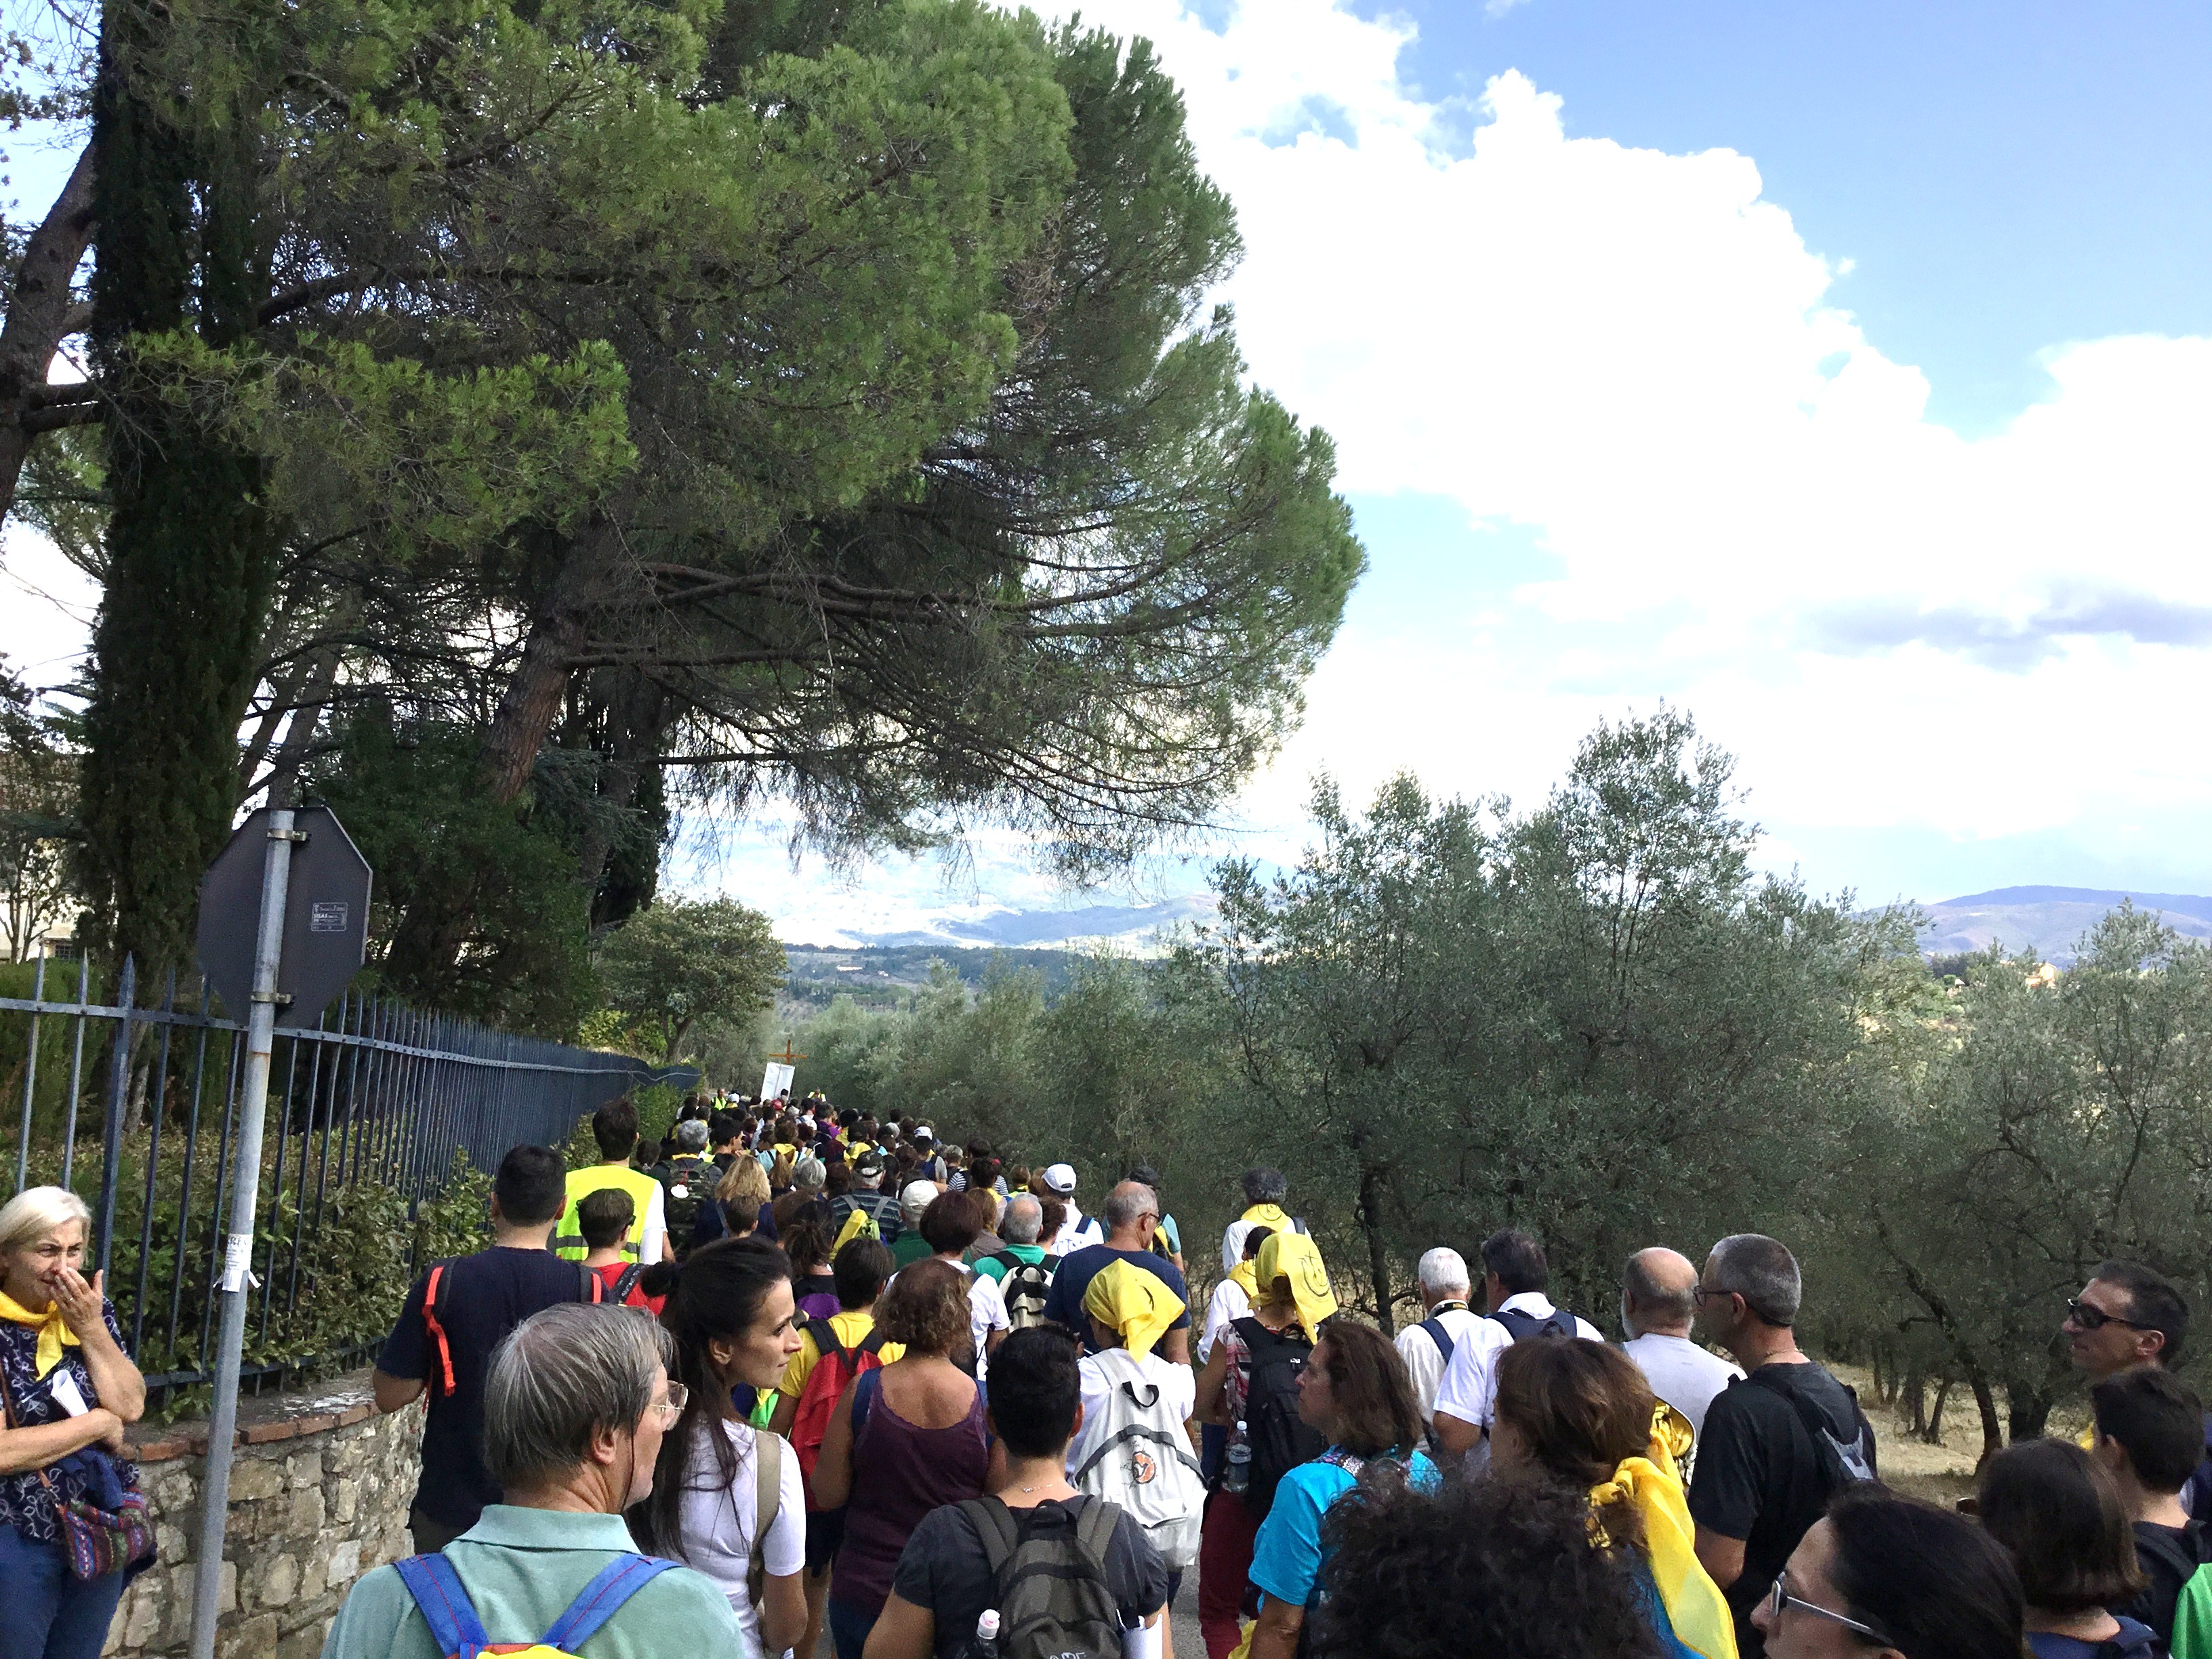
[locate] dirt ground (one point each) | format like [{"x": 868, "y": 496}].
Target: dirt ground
[{"x": 1941, "y": 1473}]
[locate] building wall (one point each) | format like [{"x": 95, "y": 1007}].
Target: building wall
[{"x": 320, "y": 1488}]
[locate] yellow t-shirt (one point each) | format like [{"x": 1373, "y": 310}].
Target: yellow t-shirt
[{"x": 851, "y": 1330}]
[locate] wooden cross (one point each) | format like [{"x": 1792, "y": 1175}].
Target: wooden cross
[{"x": 787, "y": 1058}]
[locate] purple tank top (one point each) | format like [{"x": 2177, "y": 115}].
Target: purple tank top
[{"x": 900, "y": 1473}]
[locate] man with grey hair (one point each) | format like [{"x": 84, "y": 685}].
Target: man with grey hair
[
  {"x": 1658, "y": 1296},
  {"x": 688, "y": 1178},
  {"x": 1427, "y": 1347},
  {"x": 1020, "y": 1265},
  {"x": 574, "y": 1407},
  {"x": 1264, "y": 1192},
  {"x": 1780, "y": 1443},
  {"x": 1133, "y": 1215}
]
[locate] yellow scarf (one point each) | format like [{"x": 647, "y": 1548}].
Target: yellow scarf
[
  {"x": 1246, "y": 1274},
  {"x": 1138, "y": 1303},
  {"x": 53, "y": 1332},
  {"x": 1266, "y": 1215},
  {"x": 1694, "y": 1604},
  {"x": 1296, "y": 1257}
]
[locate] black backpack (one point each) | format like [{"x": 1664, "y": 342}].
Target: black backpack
[
  {"x": 687, "y": 1183},
  {"x": 1842, "y": 1462},
  {"x": 1048, "y": 1566},
  {"x": 1522, "y": 1326},
  {"x": 1279, "y": 1442},
  {"x": 1025, "y": 1286}
]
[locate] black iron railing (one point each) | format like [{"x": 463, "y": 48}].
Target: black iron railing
[{"x": 382, "y": 1124}]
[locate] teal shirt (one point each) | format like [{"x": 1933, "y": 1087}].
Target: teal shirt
[
  {"x": 991, "y": 1268},
  {"x": 521, "y": 1569}
]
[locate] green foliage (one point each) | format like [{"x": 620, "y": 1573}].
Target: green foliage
[
  {"x": 679, "y": 961},
  {"x": 508, "y": 938}
]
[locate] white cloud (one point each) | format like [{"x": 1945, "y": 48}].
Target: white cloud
[{"x": 1635, "y": 355}]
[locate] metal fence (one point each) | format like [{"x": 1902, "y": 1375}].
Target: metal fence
[{"x": 369, "y": 1114}]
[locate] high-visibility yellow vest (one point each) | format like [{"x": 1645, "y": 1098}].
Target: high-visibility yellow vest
[{"x": 568, "y": 1237}]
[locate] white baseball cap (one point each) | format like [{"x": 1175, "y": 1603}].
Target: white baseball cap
[
  {"x": 918, "y": 1196},
  {"x": 1061, "y": 1177}
]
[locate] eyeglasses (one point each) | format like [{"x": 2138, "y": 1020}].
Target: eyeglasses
[
  {"x": 1778, "y": 1598},
  {"x": 673, "y": 1407},
  {"x": 2090, "y": 1317},
  {"x": 1700, "y": 1295}
]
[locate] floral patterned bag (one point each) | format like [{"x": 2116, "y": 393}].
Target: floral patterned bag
[{"x": 115, "y": 1535}]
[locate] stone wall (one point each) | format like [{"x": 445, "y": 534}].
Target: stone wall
[{"x": 319, "y": 1487}]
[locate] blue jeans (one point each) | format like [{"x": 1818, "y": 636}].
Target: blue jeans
[
  {"x": 848, "y": 1628},
  {"x": 46, "y": 1613}
]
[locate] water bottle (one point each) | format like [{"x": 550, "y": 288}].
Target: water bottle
[
  {"x": 1236, "y": 1467},
  {"x": 987, "y": 1634}
]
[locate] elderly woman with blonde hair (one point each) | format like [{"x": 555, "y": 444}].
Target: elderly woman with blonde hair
[{"x": 68, "y": 1390}]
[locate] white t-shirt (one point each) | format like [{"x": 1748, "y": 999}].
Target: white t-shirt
[
  {"x": 986, "y": 1312},
  {"x": 1178, "y": 1387},
  {"x": 1425, "y": 1361},
  {"x": 1681, "y": 1373},
  {"x": 1078, "y": 1231},
  {"x": 652, "y": 1236},
  {"x": 719, "y": 1523},
  {"x": 1224, "y": 1308},
  {"x": 1469, "y": 1388}
]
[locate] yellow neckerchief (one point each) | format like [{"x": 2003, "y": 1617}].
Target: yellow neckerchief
[
  {"x": 1266, "y": 1215},
  {"x": 1137, "y": 1302},
  {"x": 1296, "y": 1257},
  {"x": 53, "y": 1331},
  {"x": 1694, "y": 1604},
  {"x": 1246, "y": 1275}
]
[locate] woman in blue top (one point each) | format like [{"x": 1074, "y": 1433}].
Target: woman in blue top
[
  {"x": 1355, "y": 1390},
  {"x": 2056, "y": 1510}
]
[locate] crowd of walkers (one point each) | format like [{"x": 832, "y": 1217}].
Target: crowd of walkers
[{"x": 791, "y": 1375}]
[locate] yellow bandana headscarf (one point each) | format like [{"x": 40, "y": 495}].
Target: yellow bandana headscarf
[
  {"x": 1296, "y": 1257},
  {"x": 1128, "y": 1298},
  {"x": 1694, "y": 1604},
  {"x": 53, "y": 1332}
]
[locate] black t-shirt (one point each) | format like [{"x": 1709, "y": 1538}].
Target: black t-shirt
[
  {"x": 944, "y": 1568},
  {"x": 1071, "y": 1283},
  {"x": 481, "y": 1298},
  {"x": 1759, "y": 1477},
  {"x": 2170, "y": 1557}
]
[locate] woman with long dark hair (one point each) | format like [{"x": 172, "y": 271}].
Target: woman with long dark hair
[{"x": 727, "y": 1497}]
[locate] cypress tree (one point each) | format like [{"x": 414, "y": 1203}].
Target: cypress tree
[{"x": 190, "y": 552}]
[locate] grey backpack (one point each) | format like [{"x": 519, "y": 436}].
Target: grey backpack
[{"x": 1049, "y": 1566}]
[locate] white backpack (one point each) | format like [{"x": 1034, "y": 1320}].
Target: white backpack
[{"x": 1142, "y": 1461}]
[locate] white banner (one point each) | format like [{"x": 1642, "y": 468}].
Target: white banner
[{"x": 774, "y": 1081}]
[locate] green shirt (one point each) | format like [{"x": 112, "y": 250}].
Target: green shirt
[
  {"x": 994, "y": 1268},
  {"x": 521, "y": 1569},
  {"x": 911, "y": 1247}
]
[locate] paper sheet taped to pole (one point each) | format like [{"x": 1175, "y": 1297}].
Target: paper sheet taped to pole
[{"x": 238, "y": 1261}]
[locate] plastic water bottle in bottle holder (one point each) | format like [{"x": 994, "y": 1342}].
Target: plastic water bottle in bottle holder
[
  {"x": 987, "y": 1634},
  {"x": 1236, "y": 1466}
]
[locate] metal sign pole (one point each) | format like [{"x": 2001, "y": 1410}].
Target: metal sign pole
[{"x": 238, "y": 1245}]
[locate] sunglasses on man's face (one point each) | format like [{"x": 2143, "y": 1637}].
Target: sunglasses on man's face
[{"x": 2090, "y": 1317}]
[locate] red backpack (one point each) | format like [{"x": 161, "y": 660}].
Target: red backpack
[{"x": 837, "y": 1366}]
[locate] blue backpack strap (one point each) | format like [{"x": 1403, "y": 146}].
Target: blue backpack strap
[
  {"x": 446, "y": 1608},
  {"x": 600, "y": 1599},
  {"x": 864, "y": 1395},
  {"x": 1440, "y": 1336}
]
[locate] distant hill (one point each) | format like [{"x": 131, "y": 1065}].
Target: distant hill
[
  {"x": 884, "y": 976},
  {"x": 2050, "y": 920}
]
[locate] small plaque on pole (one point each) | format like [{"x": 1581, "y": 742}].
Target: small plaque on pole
[{"x": 325, "y": 916}]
